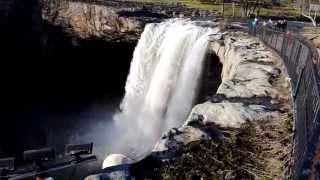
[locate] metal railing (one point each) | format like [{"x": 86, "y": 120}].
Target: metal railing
[{"x": 303, "y": 63}]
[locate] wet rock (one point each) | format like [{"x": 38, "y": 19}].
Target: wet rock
[{"x": 175, "y": 141}]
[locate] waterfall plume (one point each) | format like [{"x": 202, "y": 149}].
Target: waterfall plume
[{"x": 162, "y": 84}]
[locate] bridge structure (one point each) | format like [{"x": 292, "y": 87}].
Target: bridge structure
[{"x": 302, "y": 62}]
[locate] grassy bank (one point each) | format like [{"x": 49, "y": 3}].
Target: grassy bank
[
  {"x": 256, "y": 151},
  {"x": 282, "y": 10}
]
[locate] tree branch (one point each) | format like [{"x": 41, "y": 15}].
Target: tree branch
[{"x": 314, "y": 23}]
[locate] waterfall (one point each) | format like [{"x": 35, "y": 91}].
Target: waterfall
[{"x": 162, "y": 84}]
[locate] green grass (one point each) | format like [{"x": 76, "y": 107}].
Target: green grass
[{"x": 284, "y": 10}]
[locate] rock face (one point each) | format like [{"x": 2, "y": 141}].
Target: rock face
[
  {"x": 112, "y": 20},
  {"x": 248, "y": 92},
  {"x": 89, "y": 20}
]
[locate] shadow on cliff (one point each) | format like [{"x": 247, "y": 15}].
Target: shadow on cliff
[{"x": 47, "y": 74}]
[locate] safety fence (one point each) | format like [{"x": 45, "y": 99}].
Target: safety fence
[{"x": 302, "y": 63}]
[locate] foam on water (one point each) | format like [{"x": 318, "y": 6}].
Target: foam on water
[{"x": 162, "y": 84}]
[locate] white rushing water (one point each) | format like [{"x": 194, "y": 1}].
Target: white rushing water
[{"x": 162, "y": 84}]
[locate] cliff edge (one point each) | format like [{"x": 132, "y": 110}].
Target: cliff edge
[{"x": 244, "y": 130}]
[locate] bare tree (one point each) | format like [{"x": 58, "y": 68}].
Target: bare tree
[
  {"x": 310, "y": 11},
  {"x": 222, "y": 8},
  {"x": 249, "y": 7}
]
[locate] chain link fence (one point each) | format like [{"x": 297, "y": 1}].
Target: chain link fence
[{"x": 303, "y": 63}]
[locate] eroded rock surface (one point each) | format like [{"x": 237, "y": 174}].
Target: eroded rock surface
[
  {"x": 112, "y": 20},
  {"x": 85, "y": 20},
  {"x": 254, "y": 88}
]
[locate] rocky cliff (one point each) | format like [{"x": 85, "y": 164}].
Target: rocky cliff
[
  {"x": 254, "y": 97},
  {"x": 250, "y": 88},
  {"x": 85, "y": 20},
  {"x": 113, "y": 20}
]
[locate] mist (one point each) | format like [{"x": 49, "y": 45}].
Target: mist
[{"x": 160, "y": 91}]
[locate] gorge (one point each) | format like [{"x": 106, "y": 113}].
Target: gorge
[{"x": 190, "y": 80}]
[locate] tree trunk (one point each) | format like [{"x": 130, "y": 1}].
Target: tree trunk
[
  {"x": 233, "y": 9},
  {"x": 222, "y": 8},
  {"x": 244, "y": 10},
  {"x": 313, "y": 20},
  {"x": 309, "y": 16}
]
